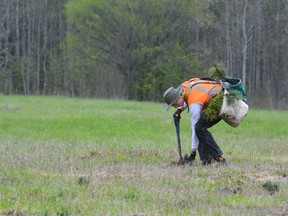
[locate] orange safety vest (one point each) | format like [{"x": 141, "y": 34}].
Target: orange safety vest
[{"x": 200, "y": 91}]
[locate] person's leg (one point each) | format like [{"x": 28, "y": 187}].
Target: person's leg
[
  {"x": 207, "y": 145},
  {"x": 203, "y": 152}
]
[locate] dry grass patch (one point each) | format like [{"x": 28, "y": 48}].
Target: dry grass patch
[{"x": 266, "y": 176}]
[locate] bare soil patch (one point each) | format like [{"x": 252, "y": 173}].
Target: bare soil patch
[
  {"x": 280, "y": 148},
  {"x": 266, "y": 176}
]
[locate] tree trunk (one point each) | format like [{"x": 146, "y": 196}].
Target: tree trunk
[
  {"x": 45, "y": 41},
  {"x": 228, "y": 39},
  {"x": 244, "y": 45},
  {"x": 8, "y": 76}
]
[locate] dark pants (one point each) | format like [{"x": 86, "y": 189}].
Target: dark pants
[{"x": 207, "y": 145}]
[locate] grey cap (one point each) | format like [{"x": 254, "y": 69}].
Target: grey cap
[{"x": 171, "y": 95}]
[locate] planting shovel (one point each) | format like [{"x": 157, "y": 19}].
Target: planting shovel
[{"x": 177, "y": 126}]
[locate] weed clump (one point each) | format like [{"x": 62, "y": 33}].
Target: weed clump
[
  {"x": 271, "y": 187},
  {"x": 83, "y": 181}
]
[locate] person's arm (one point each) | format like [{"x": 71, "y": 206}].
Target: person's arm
[
  {"x": 195, "y": 112},
  {"x": 184, "y": 107}
]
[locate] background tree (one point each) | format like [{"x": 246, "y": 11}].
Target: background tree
[
  {"x": 252, "y": 38},
  {"x": 136, "y": 49},
  {"x": 147, "y": 44},
  {"x": 32, "y": 31}
]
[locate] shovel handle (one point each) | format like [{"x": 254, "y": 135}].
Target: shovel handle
[{"x": 177, "y": 126}]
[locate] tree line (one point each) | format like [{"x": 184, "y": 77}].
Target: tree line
[{"x": 137, "y": 49}]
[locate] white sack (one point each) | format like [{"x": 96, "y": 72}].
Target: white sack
[{"x": 234, "y": 113}]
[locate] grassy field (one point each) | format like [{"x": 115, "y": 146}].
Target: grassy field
[{"x": 71, "y": 156}]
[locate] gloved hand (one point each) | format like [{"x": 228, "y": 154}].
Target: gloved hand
[{"x": 177, "y": 114}]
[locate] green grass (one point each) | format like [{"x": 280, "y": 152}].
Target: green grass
[{"x": 71, "y": 156}]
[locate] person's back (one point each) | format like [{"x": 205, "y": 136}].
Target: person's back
[{"x": 200, "y": 90}]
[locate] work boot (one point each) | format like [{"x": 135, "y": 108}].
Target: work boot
[
  {"x": 220, "y": 161},
  {"x": 192, "y": 156},
  {"x": 208, "y": 160}
]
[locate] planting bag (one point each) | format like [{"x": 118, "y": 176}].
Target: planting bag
[
  {"x": 233, "y": 113},
  {"x": 234, "y": 86}
]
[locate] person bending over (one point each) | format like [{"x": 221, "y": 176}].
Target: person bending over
[{"x": 194, "y": 95}]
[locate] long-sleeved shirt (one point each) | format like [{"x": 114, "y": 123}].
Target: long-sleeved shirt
[{"x": 195, "y": 113}]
